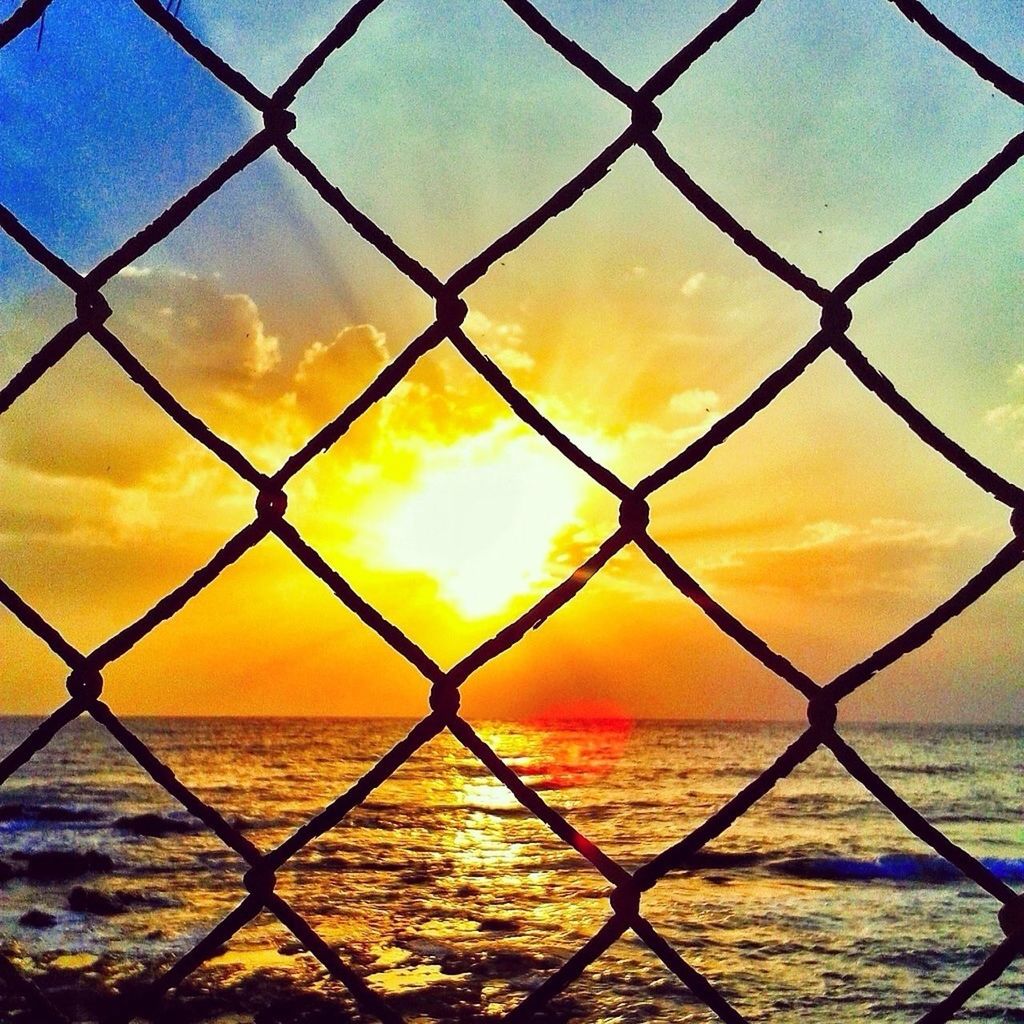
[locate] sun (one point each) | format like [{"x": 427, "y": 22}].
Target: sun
[{"x": 481, "y": 516}]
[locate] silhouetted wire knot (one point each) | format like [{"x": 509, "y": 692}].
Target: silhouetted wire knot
[
  {"x": 822, "y": 714},
  {"x": 261, "y": 881},
  {"x": 279, "y": 120},
  {"x": 445, "y": 699},
  {"x": 625, "y": 901},
  {"x": 271, "y": 504},
  {"x": 92, "y": 309},
  {"x": 450, "y": 310},
  {"x": 85, "y": 683},
  {"x": 836, "y": 317},
  {"x": 645, "y": 115},
  {"x": 634, "y": 515}
]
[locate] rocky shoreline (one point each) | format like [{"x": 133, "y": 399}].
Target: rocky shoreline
[
  {"x": 282, "y": 985},
  {"x": 286, "y": 986}
]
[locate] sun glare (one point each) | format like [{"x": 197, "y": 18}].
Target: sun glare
[{"x": 482, "y": 517}]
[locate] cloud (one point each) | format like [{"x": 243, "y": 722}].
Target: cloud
[
  {"x": 503, "y": 342},
  {"x": 87, "y": 458},
  {"x": 213, "y": 351},
  {"x": 187, "y": 329},
  {"x": 693, "y": 284},
  {"x": 1010, "y": 415},
  {"x": 190, "y": 493},
  {"x": 695, "y": 403},
  {"x": 262, "y": 352},
  {"x": 1005, "y": 415},
  {"x": 86, "y": 425},
  {"x": 837, "y": 558},
  {"x": 84, "y": 418},
  {"x": 330, "y": 375}
]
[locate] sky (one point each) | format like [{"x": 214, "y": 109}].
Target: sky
[{"x": 630, "y": 321}]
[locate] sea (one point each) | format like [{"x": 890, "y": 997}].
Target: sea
[{"x": 453, "y": 902}]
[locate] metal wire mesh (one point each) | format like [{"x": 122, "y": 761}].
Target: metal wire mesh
[{"x": 85, "y": 679}]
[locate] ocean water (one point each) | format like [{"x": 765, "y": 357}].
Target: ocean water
[{"x": 453, "y": 902}]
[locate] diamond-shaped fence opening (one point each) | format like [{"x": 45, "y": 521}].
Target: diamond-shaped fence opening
[{"x": 544, "y": 997}]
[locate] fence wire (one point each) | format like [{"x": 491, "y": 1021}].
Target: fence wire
[{"x": 85, "y": 678}]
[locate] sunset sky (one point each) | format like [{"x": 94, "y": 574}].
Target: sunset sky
[{"x": 630, "y": 321}]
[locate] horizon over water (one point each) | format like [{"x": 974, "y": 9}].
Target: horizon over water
[
  {"x": 550, "y": 718},
  {"x": 453, "y": 901}
]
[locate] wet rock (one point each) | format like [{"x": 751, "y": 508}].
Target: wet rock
[
  {"x": 721, "y": 859},
  {"x": 439, "y": 1002},
  {"x": 37, "y": 919},
  {"x": 60, "y": 865},
  {"x": 75, "y": 962},
  {"x": 459, "y": 964},
  {"x": 261, "y": 998},
  {"x": 504, "y": 965},
  {"x": 131, "y": 898},
  {"x": 498, "y": 924},
  {"x": 92, "y": 901},
  {"x": 154, "y": 825},
  {"x": 291, "y": 948}
]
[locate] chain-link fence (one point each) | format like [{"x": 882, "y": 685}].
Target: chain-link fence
[{"x": 85, "y": 679}]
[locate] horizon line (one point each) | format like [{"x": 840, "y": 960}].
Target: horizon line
[{"x": 527, "y": 719}]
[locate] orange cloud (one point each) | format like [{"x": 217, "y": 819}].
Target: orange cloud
[{"x": 880, "y": 555}]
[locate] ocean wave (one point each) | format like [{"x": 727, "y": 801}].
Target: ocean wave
[
  {"x": 22, "y": 812},
  {"x": 897, "y": 867},
  {"x": 971, "y": 817},
  {"x": 58, "y": 865}
]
